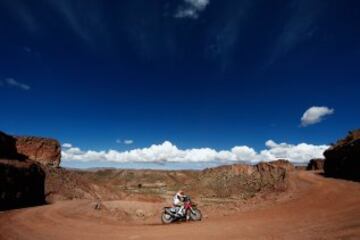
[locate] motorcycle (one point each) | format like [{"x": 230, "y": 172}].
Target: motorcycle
[{"x": 189, "y": 213}]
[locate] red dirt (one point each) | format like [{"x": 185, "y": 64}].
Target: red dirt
[{"x": 314, "y": 207}]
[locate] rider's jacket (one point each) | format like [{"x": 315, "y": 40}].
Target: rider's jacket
[{"x": 178, "y": 199}]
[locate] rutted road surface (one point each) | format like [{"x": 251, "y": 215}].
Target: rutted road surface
[{"x": 314, "y": 208}]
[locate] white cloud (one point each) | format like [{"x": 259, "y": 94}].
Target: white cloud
[
  {"x": 302, "y": 152},
  {"x": 126, "y": 141},
  {"x": 13, "y": 83},
  {"x": 191, "y": 8},
  {"x": 243, "y": 153},
  {"x": 168, "y": 152},
  {"x": 67, "y": 145},
  {"x": 315, "y": 115}
]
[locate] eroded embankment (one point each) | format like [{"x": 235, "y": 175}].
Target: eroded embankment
[{"x": 314, "y": 207}]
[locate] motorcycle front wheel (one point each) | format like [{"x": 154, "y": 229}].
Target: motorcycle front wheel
[
  {"x": 195, "y": 215},
  {"x": 166, "y": 218}
]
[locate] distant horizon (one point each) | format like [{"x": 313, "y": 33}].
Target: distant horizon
[{"x": 169, "y": 166}]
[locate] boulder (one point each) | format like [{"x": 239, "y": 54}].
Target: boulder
[
  {"x": 316, "y": 164},
  {"x": 342, "y": 160},
  {"x": 21, "y": 184}
]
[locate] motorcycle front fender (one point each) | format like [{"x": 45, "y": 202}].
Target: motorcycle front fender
[{"x": 168, "y": 211}]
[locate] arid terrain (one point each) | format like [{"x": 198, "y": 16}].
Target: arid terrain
[
  {"x": 313, "y": 207},
  {"x": 269, "y": 200}
]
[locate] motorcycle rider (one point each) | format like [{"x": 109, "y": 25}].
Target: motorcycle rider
[{"x": 178, "y": 202}]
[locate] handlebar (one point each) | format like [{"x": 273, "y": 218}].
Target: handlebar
[{"x": 187, "y": 198}]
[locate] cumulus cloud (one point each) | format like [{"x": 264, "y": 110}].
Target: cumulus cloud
[
  {"x": 168, "y": 152},
  {"x": 315, "y": 115},
  {"x": 298, "y": 153},
  {"x": 13, "y": 83},
  {"x": 191, "y": 8}
]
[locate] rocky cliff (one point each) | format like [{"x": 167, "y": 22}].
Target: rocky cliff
[
  {"x": 342, "y": 160},
  {"x": 242, "y": 180},
  {"x": 22, "y": 179},
  {"x": 43, "y": 150},
  {"x": 21, "y": 184}
]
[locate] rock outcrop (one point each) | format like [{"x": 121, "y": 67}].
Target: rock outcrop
[
  {"x": 242, "y": 180},
  {"x": 43, "y": 150},
  {"x": 284, "y": 163},
  {"x": 316, "y": 164},
  {"x": 21, "y": 184},
  {"x": 342, "y": 160},
  {"x": 22, "y": 178}
]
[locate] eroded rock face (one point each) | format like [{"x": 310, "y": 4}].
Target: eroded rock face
[
  {"x": 237, "y": 180},
  {"x": 342, "y": 160},
  {"x": 284, "y": 163},
  {"x": 22, "y": 179},
  {"x": 43, "y": 150},
  {"x": 21, "y": 184},
  {"x": 243, "y": 180},
  {"x": 316, "y": 164}
]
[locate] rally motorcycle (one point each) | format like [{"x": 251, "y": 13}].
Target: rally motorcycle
[{"x": 189, "y": 213}]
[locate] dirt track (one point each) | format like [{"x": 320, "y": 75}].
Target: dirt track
[{"x": 314, "y": 208}]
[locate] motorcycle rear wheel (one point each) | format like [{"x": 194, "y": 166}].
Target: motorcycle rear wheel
[
  {"x": 196, "y": 215},
  {"x": 166, "y": 218}
]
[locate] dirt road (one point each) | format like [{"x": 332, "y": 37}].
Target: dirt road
[{"x": 314, "y": 208}]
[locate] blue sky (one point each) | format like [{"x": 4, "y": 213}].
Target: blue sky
[{"x": 197, "y": 73}]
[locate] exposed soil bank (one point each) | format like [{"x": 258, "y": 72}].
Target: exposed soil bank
[{"x": 313, "y": 207}]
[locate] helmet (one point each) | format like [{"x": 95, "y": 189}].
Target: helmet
[{"x": 180, "y": 192}]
